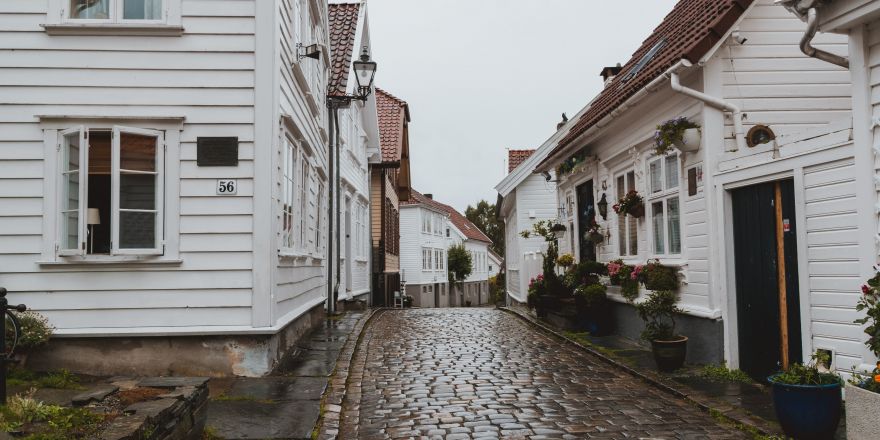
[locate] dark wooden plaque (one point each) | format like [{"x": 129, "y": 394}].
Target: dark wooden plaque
[
  {"x": 692, "y": 181},
  {"x": 217, "y": 152}
]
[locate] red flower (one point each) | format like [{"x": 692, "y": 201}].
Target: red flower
[{"x": 865, "y": 289}]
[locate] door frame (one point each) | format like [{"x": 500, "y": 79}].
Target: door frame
[{"x": 722, "y": 280}]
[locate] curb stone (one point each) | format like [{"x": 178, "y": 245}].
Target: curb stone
[
  {"x": 730, "y": 414},
  {"x": 327, "y": 426}
]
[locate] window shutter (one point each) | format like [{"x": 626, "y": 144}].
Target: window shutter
[
  {"x": 73, "y": 191},
  {"x": 137, "y": 193}
]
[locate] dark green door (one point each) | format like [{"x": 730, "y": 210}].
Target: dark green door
[
  {"x": 586, "y": 216},
  {"x": 757, "y": 277}
]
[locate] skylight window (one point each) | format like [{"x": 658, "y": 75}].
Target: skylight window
[{"x": 644, "y": 61}]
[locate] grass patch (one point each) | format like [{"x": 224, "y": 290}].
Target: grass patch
[
  {"x": 583, "y": 339},
  {"x": 62, "y": 379},
  {"x": 210, "y": 433},
  {"x": 720, "y": 373},
  {"x": 223, "y": 397},
  {"x": 39, "y": 421}
]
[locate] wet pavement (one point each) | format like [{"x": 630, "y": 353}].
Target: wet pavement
[
  {"x": 482, "y": 373},
  {"x": 287, "y": 404}
]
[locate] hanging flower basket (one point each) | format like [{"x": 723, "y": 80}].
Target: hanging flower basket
[
  {"x": 679, "y": 132},
  {"x": 594, "y": 234},
  {"x": 632, "y": 203}
]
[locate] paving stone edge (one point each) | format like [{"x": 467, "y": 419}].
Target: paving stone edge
[
  {"x": 328, "y": 424},
  {"x": 730, "y": 414}
]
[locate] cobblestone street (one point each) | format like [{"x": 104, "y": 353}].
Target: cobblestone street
[{"x": 475, "y": 373}]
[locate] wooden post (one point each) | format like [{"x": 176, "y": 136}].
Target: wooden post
[{"x": 780, "y": 276}]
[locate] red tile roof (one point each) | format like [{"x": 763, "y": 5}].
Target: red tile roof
[
  {"x": 689, "y": 31},
  {"x": 393, "y": 117},
  {"x": 343, "y": 18},
  {"x": 470, "y": 230},
  {"x": 516, "y": 157}
]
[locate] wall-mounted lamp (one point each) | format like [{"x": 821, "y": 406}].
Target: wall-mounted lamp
[
  {"x": 603, "y": 207},
  {"x": 312, "y": 51},
  {"x": 547, "y": 176}
]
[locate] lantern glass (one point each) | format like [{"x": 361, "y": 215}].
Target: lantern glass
[
  {"x": 603, "y": 207},
  {"x": 365, "y": 72}
]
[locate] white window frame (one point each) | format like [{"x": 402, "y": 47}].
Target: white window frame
[
  {"x": 663, "y": 196},
  {"x": 59, "y": 21},
  {"x": 290, "y": 163},
  {"x": 623, "y": 235},
  {"x": 115, "y": 174}
]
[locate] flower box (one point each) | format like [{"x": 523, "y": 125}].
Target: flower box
[{"x": 862, "y": 413}]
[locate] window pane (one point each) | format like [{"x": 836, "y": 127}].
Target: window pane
[
  {"x": 137, "y": 191},
  {"x": 633, "y": 236},
  {"x": 142, "y": 10},
  {"x": 138, "y": 152},
  {"x": 656, "y": 177},
  {"x": 674, "y": 225},
  {"x": 671, "y": 172},
  {"x": 70, "y": 204},
  {"x": 621, "y": 190},
  {"x": 630, "y": 180},
  {"x": 657, "y": 227},
  {"x": 137, "y": 230},
  {"x": 69, "y": 229},
  {"x": 90, "y": 9}
]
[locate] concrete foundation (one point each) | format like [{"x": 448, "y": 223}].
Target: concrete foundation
[{"x": 211, "y": 356}]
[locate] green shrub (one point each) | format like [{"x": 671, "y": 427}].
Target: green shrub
[
  {"x": 35, "y": 330},
  {"x": 47, "y": 422},
  {"x": 656, "y": 276},
  {"x": 658, "y": 312},
  {"x": 591, "y": 295},
  {"x": 809, "y": 374}
]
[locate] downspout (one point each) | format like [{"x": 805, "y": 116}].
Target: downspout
[
  {"x": 336, "y": 183},
  {"x": 807, "y": 42},
  {"x": 331, "y": 300},
  {"x": 712, "y": 101}
]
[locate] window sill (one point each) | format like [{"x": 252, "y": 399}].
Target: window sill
[
  {"x": 67, "y": 261},
  {"x": 146, "y": 30}
]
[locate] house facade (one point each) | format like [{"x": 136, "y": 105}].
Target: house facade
[
  {"x": 859, "y": 21},
  {"x": 496, "y": 264},
  {"x": 358, "y": 149},
  {"x": 764, "y": 211},
  {"x": 173, "y": 193},
  {"x": 389, "y": 186},
  {"x": 423, "y": 258}
]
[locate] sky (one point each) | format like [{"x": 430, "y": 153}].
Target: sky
[{"x": 482, "y": 76}]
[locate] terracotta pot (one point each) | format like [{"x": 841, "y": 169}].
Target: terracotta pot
[
  {"x": 669, "y": 355},
  {"x": 862, "y": 413},
  {"x": 637, "y": 211},
  {"x": 690, "y": 140}
]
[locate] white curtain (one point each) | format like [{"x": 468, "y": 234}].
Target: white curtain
[{"x": 90, "y": 9}]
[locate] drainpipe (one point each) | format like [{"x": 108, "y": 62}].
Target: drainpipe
[
  {"x": 807, "y": 40},
  {"x": 712, "y": 101},
  {"x": 331, "y": 284},
  {"x": 336, "y": 183}
]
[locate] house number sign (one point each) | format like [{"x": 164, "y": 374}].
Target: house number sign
[{"x": 227, "y": 187}]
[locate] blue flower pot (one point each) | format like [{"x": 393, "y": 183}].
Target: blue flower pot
[{"x": 807, "y": 412}]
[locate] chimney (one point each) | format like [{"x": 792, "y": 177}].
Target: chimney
[
  {"x": 562, "y": 123},
  {"x": 608, "y": 73},
  {"x": 430, "y": 196}
]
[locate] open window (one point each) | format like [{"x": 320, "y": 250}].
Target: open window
[{"x": 111, "y": 192}]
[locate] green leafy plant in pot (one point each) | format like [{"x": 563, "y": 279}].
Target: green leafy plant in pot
[
  {"x": 656, "y": 276},
  {"x": 592, "y": 305},
  {"x": 625, "y": 276},
  {"x": 863, "y": 390},
  {"x": 807, "y": 400},
  {"x": 659, "y": 312},
  {"x": 631, "y": 203},
  {"x": 679, "y": 132}
]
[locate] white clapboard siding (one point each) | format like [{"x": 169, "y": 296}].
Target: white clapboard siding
[
  {"x": 832, "y": 260},
  {"x": 207, "y": 77},
  {"x": 774, "y": 83}
]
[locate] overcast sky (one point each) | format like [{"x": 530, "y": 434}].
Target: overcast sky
[{"x": 481, "y": 76}]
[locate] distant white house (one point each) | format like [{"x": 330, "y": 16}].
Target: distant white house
[
  {"x": 427, "y": 229},
  {"x": 776, "y": 173},
  {"x": 496, "y": 264},
  {"x": 165, "y": 175}
]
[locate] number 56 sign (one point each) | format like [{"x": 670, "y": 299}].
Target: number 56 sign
[{"x": 227, "y": 187}]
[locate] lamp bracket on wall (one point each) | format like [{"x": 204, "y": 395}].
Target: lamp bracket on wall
[{"x": 312, "y": 51}]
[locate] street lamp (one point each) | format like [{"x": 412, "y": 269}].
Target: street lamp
[{"x": 365, "y": 71}]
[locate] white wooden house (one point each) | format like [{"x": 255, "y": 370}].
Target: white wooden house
[
  {"x": 857, "y": 252},
  {"x": 496, "y": 264},
  {"x": 163, "y": 179},
  {"x": 771, "y": 118},
  {"x": 359, "y": 148},
  {"x": 423, "y": 245}
]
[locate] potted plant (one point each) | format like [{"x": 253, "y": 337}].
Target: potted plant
[
  {"x": 565, "y": 261},
  {"x": 536, "y": 298},
  {"x": 594, "y": 233},
  {"x": 656, "y": 276},
  {"x": 863, "y": 390},
  {"x": 632, "y": 203},
  {"x": 592, "y": 304},
  {"x": 625, "y": 276},
  {"x": 658, "y": 312},
  {"x": 807, "y": 400},
  {"x": 679, "y": 132},
  {"x": 407, "y": 301}
]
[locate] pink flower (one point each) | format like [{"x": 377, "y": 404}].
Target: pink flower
[
  {"x": 613, "y": 268},
  {"x": 636, "y": 271}
]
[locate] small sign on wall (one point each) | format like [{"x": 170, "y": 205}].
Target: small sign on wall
[
  {"x": 227, "y": 187},
  {"x": 217, "y": 151}
]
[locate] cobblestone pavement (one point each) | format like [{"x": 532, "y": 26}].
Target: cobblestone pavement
[{"x": 475, "y": 373}]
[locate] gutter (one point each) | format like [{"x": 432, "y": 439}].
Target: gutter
[
  {"x": 807, "y": 40},
  {"x": 712, "y": 101}
]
